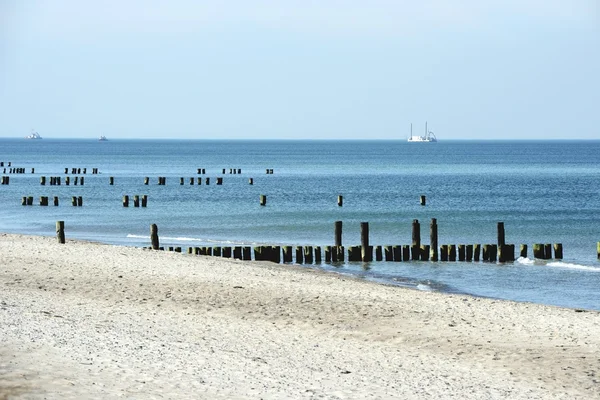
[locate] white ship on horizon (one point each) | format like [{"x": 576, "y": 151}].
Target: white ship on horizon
[
  {"x": 33, "y": 135},
  {"x": 428, "y": 137}
]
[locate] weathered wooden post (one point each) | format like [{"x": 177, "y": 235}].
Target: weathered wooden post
[
  {"x": 366, "y": 250},
  {"x": 538, "y": 251},
  {"x": 341, "y": 255},
  {"x": 55, "y": 200},
  {"x": 469, "y": 255},
  {"x": 425, "y": 248},
  {"x": 136, "y": 200},
  {"x": 207, "y": 181},
  {"x": 81, "y": 181},
  {"x": 192, "y": 181},
  {"x": 181, "y": 181},
  {"x": 146, "y": 180},
  {"x": 67, "y": 180},
  {"x": 29, "y": 200},
  {"x": 476, "y": 252},
  {"x": 216, "y": 251},
  {"x": 388, "y": 253},
  {"x": 246, "y": 252},
  {"x": 423, "y": 200},
  {"x": 318, "y": 255},
  {"x": 43, "y": 180},
  {"x": 24, "y": 201},
  {"x": 144, "y": 200},
  {"x": 263, "y": 200},
  {"x": 226, "y": 252},
  {"x": 354, "y": 253},
  {"x": 462, "y": 252},
  {"x": 275, "y": 254},
  {"x": 452, "y": 252},
  {"x": 444, "y": 252},
  {"x": 486, "y": 252},
  {"x": 60, "y": 231},
  {"x": 308, "y": 254},
  {"x": 287, "y": 254},
  {"x": 416, "y": 240},
  {"x": 548, "y": 251},
  {"x": 523, "y": 251},
  {"x": 74, "y": 201},
  {"x": 338, "y": 233},
  {"x": 251, "y": 181},
  {"x": 405, "y": 253},
  {"x": 378, "y": 253},
  {"x": 501, "y": 242},
  {"x": 433, "y": 240},
  {"x": 558, "y": 251},
  {"x": 219, "y": 181},
  {"x": 111, "y": 180},
  {"x": 340, "y": 200},
  {"x": 493, "y": 252},
  {"x": 397, "y": 254},
  {"x": 299, "y": 255},
  {"x": 327, "y": 254},
  {"x": 126, "y": 201}
]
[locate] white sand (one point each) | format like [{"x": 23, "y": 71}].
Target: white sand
[{"x": 86, "y": 320}]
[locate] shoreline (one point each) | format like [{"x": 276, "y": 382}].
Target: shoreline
[{"x": 89, "y": 320}]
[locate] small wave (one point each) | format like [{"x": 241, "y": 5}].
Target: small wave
[
  {"x": 129, "y": 235},
  {"x": 192, "y": 239},
  {"x": 424, "y": 287},
  {"x": 560, "y": 264},
  {"x": 525, "y": 261}
]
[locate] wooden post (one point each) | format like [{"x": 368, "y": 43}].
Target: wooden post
[
  {"x": 378, "y": 253},
  {"x": 523, "y": 251},
  {"x": 136, "y": 200},
  {"x": 388, "y": 252},
  {"x": 251, "y": 181},
  {"x": 308, "y": 254},
  {"x": 558, "y": 251},
  {"x": 219, "y": 181},
  {"x": 81, "y": 181},
  {"x": 338, "y": 233},
  {"x": 144, "y": 200},
  {"x": 340, "y": 200},
  {"x": 506, "y": 253},
  {"x": 29, "y": 200},
  {"x": 397, "y": 254},
  {"x": 424, "y": 252},
  {"x": 538, "y": 251},
  {"x": 354, "y": 253},
  {"x": 317, "y": 254},
  {"x": 111, "y": 180},
  {"x": 341, "y": 256},
  {"x": 462, "y": 252},
  {"x": 226, "y": 252},
  {"x": 433, "y": 240},
  {"x": 246, "y": 252},
  {"x": 416, "y": 239},
  {"x": 192, "y": 181},
  {"x": 126, "y": 201},
  {"x": 476, "y": 252},
  {"x": 181, "y": 181},
  {"x": 366, "y": 250},
  {"x": 207, "y": 181},
  {"x": 493, "y": 252},
  {"x": 469, "y": 255},
  {"x": 299, "y": 255},
  {"x": 67, "y": 180},
  {"x": 60, "y": 231},
  {"x": 444, "y": 252},
  {"x": 43, "y": 180},
  {"x": 55, "y": 201},
  {"x": 452, "y": 252},
  {"x": 334, "y": 254},
  {"x": 154, "y": 236},
  {"x": 146, "y": 180},
  {"x": 501, "y": 240},
  {"x": 275, "y": 254},
  {"x": 263, "y": 200},
  {"x": 547, "y": 251},
  {"x": 74, "y": 201},
  {"x": 327, "y": 254},
  {"x": 486, "y": 252},
  {"x": 598, "y": 250},
  {"x": 199, "y": 181},
  {"x": 217, "y": 251},
  {"x": 423, "y": 200},
  {"x": 405, "y": 253},
  {"x": 24, "y": 201},
  {"x": 287, "y": 254}
]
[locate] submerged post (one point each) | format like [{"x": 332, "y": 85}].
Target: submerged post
[
  {"x": 154, "y": 236},
  {"x": 60, "y": 231}
]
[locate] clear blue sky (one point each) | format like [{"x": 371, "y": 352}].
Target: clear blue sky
[{"x": 300, "y": 69}]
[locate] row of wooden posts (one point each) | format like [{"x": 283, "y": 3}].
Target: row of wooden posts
[
  {"x": 136, "y": 200},
  {"x": 76, "y": 201},
  {"x": 56, "y": 180},
  {"x": 79, "y": 171},
  {"x": 17, "y": 171},
  {"x": 310, "y": 254}
]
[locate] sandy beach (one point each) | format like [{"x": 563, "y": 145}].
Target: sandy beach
[{"x": 84, "y": 320}]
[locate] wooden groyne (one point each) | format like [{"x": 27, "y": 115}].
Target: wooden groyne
[{"x": 500, "y": 252}]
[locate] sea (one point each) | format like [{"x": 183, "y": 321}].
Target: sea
[{"x": 543, "y": 191}]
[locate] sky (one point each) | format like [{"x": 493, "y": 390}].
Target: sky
[{"x": 300, "y": 69}]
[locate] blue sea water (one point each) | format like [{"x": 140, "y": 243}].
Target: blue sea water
[{"x": 543, "y": 191}]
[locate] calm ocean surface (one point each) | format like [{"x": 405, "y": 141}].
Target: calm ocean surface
[{"x": 545, "y": 192}]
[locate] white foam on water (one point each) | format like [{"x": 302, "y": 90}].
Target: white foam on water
[
  {"x": 423, "y": 287},
  {"x": 560, "y": 264},
  {"x": 525, "y": 261}
]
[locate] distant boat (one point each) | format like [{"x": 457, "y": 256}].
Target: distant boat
[
  {"x": 429, "y": 136},
  {"x": 102, "y": 139},
  {"x": 33, "y": 135}
]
